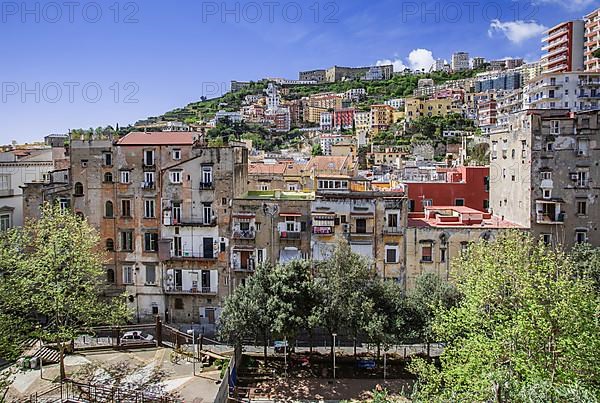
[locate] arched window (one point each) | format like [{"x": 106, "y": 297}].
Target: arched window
[
  {"x": 110, "y": 276},
  {"x": 108, "y": 177},
  {"x": 78, "y": 189},
  {"x": 110, "y": 244},
  {"x": 108, "y": 209}
]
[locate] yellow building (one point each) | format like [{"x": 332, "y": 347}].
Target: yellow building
[
  {"x": 319, "y": 103},
  {"x": 344, "y": 148},
  {"x": 417, "y": 107},
  {"x": 381, "y": 117}
]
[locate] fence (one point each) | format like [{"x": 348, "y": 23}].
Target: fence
[
  {"x": 230, "y": 379},
  {"x": 71, "y": 391}
]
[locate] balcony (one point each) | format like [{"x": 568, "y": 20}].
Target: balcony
[
  {"x": 323, "y": 230},
  {"x": 187, "y": 254},
  {"x": 543, "y": 218},
  {"x": 177, "y": 289},
  {"x": 247, "y": 265},
  {"x": 244, "y": 234},
  {"x": 206, "y": 186},
  {"x": 190, "y": 222},
  {"x": 393, "y": 204},
  {"x": 289, "y": 230},
  {"x": 147, "y": 185},
  {"x": 393, "y": 230}
]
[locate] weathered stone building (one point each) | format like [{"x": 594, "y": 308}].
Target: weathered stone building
[{"x": 545, "y": 174}]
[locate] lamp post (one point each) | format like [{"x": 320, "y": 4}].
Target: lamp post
[
  {"x": 334, "y": 336},
  {"x": 191, "y": 331}
]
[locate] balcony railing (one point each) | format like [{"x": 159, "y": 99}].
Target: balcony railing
[
  {"x": 177, "y": 289},
  {"x": 247, "y": 265},
  {"x": 244, "y": 234},
  {"x": 206, "y": 186},
  {"x": 323, "y": 230},
  {"x": 147, "y": 185},
  {"x": 289, "y": 230},
  {"x": 393, "y": 230},
  {"x": 190, "y": 222},
  {"x": 393, "y": 204},
  {"x": 543, "y": 218},
  {"x": 192, "y": 254}
]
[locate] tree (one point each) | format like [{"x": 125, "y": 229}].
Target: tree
[
  {"x": 527, "y": 325},
  {"x": 317, "y": 149},
  {"x": 246, "y": 312},
  {"x": 53, "y": 277},
  {"x": 341, "y": 285}
]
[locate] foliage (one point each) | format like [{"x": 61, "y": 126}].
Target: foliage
[
  {"x": 479, "y": 154},
  {"x": 317, "y": 150},
  {"x": 53, "y": 277},
  {"x": 527, "y": 326}
]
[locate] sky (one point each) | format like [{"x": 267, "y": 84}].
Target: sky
[{"x": 78, "y": 64}]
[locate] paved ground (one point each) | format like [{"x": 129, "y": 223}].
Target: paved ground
[{"x": 179, "y": 377}]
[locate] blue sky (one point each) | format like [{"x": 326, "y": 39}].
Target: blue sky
[{"x": 91, "y": 63}]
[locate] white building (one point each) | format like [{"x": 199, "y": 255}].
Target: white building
[
  {"x": 234, "y": 117},
  {"x": 576, "y": 91},
  {"x": 460, "y": 61},
  {"x": 17, "y": 168},
  {"x": 396, "y": 103},
  {"x": 326, "y": 121}
]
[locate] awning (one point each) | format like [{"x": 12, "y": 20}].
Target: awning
[
  {"x": 362, "y": 214},
  {"x": 244, "y": 215},
  {"x": 289, "y": 254},
  {"x": 290, "y": 214},
  {"x": 243, "y": 248}
]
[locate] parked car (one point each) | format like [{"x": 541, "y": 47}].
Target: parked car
[{"x": 135, "y": 336}]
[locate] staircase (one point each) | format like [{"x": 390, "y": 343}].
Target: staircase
[{"x": 48, "y": 355}]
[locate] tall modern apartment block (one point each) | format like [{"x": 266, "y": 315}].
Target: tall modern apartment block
[{"x": 564, "y": 47}]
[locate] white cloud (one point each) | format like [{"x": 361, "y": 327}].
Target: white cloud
[
  {"x": 417, "y": 59},
  {"x": 517, "y": 31}
]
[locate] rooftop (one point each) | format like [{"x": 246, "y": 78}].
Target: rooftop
[
  {"x": 157, "y": 139},
  {"x": 278, "y": 195},
  {"x": 262, "y": 168},
  {"x": 457, "y": 217}
]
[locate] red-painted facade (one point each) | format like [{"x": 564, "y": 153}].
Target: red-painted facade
[{"x": 469, "y": 184}]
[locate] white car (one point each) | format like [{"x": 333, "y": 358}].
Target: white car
[{"x": 136, "y": 337}]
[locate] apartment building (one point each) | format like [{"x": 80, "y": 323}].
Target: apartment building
[
  {"x": 17, "y": 168},
  {"x": 417, "y": 107},
  {"x": 544, "y": 174},
  {"x": 576, "y": 91},
  {"x": 440, "y": 233},
  {"x": 592, "y": 41},
  {"x": 382, "y": 117},
  {"x": 466, "y": 186},
  {"x": 460, "y": 61},
  {"x": 564, "y": 47},
  {"x": 362, "y": 126},
  {"x": 508, "y": 80},
  {"x": 343, "y": 118},
  {"x": 319, "y": 103},
  {"x": 267, "y": 226},
  {"x": 194, "y": 234}
]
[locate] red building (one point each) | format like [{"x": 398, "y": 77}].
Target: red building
[
  {"x": 463, "y": 186},
  {"x": 343, "y": 118}
]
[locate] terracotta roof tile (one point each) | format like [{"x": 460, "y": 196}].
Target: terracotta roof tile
[{"x": 157, "y": 139}]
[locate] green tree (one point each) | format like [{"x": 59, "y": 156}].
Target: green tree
[
  {"x": 527, "y": 325},
  {"x": 53, "y": 277},
  {"x": 317, "y": 149}
]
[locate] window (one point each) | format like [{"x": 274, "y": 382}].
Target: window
[
  {"x": 127, "y": 275},
  {"x": 547, "y": 239},
  {"x": 148, "y": 179},
  {"x": 110, "y": 244},
  {"x": 546, "y": 175},
  {"x": 150, "y": 242},
  {"x": 149, "y": 205},
  {"x": 107, "y": 157},
  {"x": 260, "y": 256},
  {"x": 582, "y": 178},
  {"x": 175, "y": 177},
  {"x": 392, "y": 220},
  {"x": 207, "y": 213},
  {"x": 391, "y": 254},
  {"x": 64, "y": 204},
  {"x": 442, "y": 255},
  {"x": 124, "y": 176},
  {"x": 127, "y": 241},
  {"x": 176, "y": 212},
  {"x": 426, "y": 253},
  {"x": 126, "y": 208},
  {"x": 149, "y": 158},
  {"x": 78, "y": 189},
  {"x": 108, "y": 209},
  {"x": 264, "y": 186},
  {"x": 554, "y": 127},
  {"x": 523, "y": 149},
  {"x": 207, "y": 178},
  {"x": 486, "y": 204},
  {"x": 110, "y": 276},
  {"x": 176, "y": 154},
  {"x": 583, "y": 146},
  {"x": 459, "y": 202},
  {"x": 108, "y": 178},
  {"x": 150, "y": 274},
  {"x": 547, "y": 193},
  {"x": 581, "y": 207},
  {"x": 361, "y": 226},
  {"x": 178, "y": 303},
  {"x": 580, "y": 236},
  {"x": 427, "y": 202},
  {"x": 5, "y": 222},
  {"x": 257, "y": 225},
  {"x": 549, "y": 146},
  {"x": 494, "y": 150}
]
